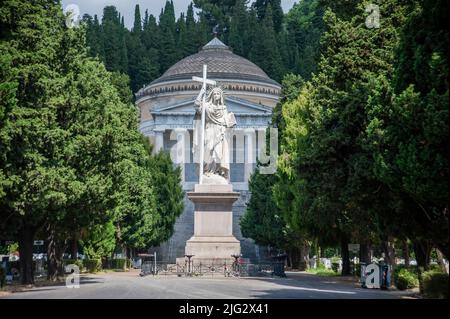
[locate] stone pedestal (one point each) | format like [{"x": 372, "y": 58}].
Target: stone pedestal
[{"x": 213, "y": 224}]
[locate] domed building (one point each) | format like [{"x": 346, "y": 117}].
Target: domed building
[{"x": 166, "y": 116}]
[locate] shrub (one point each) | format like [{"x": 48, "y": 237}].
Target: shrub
[
  {"x": 118, "y": 263},
  {"x": 405, "y": 279},
  {"x": 435, "y": 267},
  {"x": 435, "y": 284},
  {"x": 335, "y": 264},
  {"x": 93, "y": 265}
]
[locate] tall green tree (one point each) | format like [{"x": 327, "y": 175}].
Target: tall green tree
[
  {"x": 94, "y": 37},
  {"x": 325, "y": 165},
  {"x": 72, "y": 156},
  {"x": 36, "y": 183},
  {"x": 190, "y": 46},
  {"x": 169, "y": 196},
  {"x": 262, "y": 220},
  {"x": 216, "y": 13},
  {"x": 305, "y": 26},
  {"x": 408, "y": 130},
  {"x": 264, "y": 50},
  {"x": 239, "y": 28},
  {"x": 167, "y": 45},
  {"x": 114, "y": 40},
  {"x": 142, "y": 61},
  {"x": 277, "y": 14}
]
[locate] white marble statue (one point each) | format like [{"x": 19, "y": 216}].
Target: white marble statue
[{"x": 218, "y": 121}]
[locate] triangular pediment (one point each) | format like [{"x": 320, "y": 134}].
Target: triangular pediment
[{"x": 234, "y": 104}]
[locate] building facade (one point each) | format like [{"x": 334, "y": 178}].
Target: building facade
[{"x": 166, "y": 116}]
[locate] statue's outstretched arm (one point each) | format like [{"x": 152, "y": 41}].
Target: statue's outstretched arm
[{"x": 198, "y": 100}]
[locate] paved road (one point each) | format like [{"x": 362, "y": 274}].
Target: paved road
[{"x": 130, "y": 285}]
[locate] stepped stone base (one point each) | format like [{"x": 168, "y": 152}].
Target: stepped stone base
[
  {"x": 213, "y": 224},
  {"x": 213, "y": 247}
]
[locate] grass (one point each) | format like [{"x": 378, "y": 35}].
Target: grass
[{"x": 321, "y": 272}]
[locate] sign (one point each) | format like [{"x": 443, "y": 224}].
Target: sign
[
  {"x": 375, "y": 276},
  {"x": 372, "y": 274},
  {"x": 353, "y": 247},
  {"x": 38, "y": 243},
  {"x": 73, "y": 280}
]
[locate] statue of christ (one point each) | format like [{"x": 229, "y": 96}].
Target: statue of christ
[{"x": 218, "y": 121}]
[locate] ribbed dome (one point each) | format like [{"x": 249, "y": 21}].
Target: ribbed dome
[{"x": 222, "y": 63}]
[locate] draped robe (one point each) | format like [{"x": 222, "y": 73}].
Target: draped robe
[{"x": 218, "y": 121}]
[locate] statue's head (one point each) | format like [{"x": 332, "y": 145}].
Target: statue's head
[{"x": 216, "y": 95}]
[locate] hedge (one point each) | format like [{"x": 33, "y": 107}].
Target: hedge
[
  {"x": 118, "y": 263},
  {"x": 435, "y": 284},
  {"x": 92, "y": 265}
]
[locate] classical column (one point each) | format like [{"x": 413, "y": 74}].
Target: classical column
[
  {"x": 180, "y": 152},
  {"x": 250, "y": 159},
  {"x": 159, "y": 140}
]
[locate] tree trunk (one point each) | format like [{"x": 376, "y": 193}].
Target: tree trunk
[
  {"x": 55, "y": 251},
  {"x": 440, "y": 261},
  {"x": 345, "y": 256},
  {"x": 294, "y": 257},
  {"x": 389, "y": 253},
  {"x": 305, "y": 253},
  {"x": 52, "y": 267},
  {"x": 317, "y": 253},
  {"x": 405, "y": 249},
  {"x": 289, "y": 259},
  {"x": 364, "y": 253},
  {"x": 26, "y": 237},
  {"x": 74, "y": 247},
  {"x": 422, "y": 249}
]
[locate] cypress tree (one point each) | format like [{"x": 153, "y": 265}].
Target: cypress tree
[
  {"x": 137, "y": 25},
  {"x": 203, "y": 31},
  {"x": 167, "y": 45},
  {"x": 114, "y": 45},
  {"x": 265, "y": 51},
  {"x": 253, "y": 33},
  {"x": 151, "y": 33},
  {"x": 181, "y": 39},
  {"x": 190, "y": 45},
  {"x": 150, "y": 40},
  {"x": 277, "y": 12},
  {"x": 305, "y": 26},
  {"x": 239, "y": 28}
]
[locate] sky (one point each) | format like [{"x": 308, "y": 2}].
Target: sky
[{"x": 126, "y": 7}]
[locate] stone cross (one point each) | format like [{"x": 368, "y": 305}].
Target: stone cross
[{"x": 204, "y": 81}]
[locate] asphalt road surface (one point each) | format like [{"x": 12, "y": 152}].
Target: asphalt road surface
[{"x": 130, "y": 285}]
